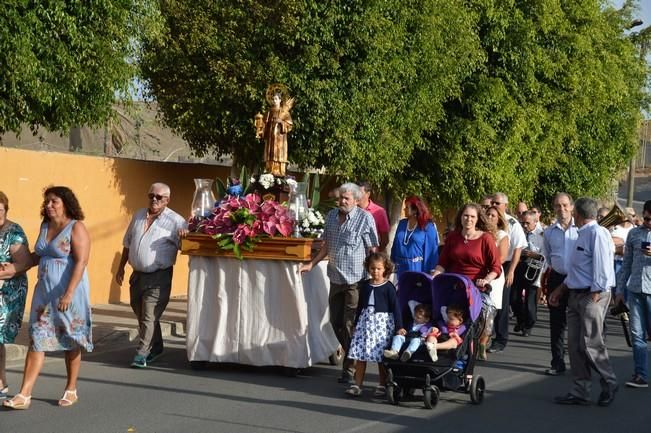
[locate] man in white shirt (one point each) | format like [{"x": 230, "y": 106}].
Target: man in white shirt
[
  {"x": 589, "y": 281},
  {"x": 150, "y": 246},
  {"x": 517, "y": 241}
]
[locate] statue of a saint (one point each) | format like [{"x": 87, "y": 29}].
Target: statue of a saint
[{"x": 273, "y": 128}]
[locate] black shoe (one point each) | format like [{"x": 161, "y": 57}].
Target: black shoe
[
  {"x": 635, "y": 382},
  {"x": 571, "y": 399},
  {"x": 346, "y": 378},
  {"x": 554, "y": 372},
  {"x": 526, "y": 332},
  {"x": 496, "y": 348},
  {"x": 607, "y": 396},
  {"x": 517, "y": 328}
]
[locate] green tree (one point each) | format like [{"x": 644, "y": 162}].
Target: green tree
[
  {"x": 554, "y": 107},
  {"x": 63, "y": 62},
  {"x": 369, "y": 77}
]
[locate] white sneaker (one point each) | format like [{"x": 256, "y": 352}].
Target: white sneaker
[
  {"x": 431, "y": 349},
  {"x": 406, "y": 355},
  {"x": 391, "y": 354}
]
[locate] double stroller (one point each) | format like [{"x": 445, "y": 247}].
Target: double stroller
[{"x": 454, "y": 369}]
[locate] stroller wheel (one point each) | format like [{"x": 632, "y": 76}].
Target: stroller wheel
[
  {"x": 477, "y": 388},
  {"x": 431, "y": 396},
  {"x": 393, "y": 393}
]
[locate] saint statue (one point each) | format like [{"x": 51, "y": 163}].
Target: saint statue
[{"x": 273, "y": 128}]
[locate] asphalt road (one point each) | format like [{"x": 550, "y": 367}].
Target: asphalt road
[{"x": 171, "y": 397}]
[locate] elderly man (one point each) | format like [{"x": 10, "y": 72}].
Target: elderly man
[
  {"x": 379, "y": 214},
  {"x": 560, "y": 241},
  {"x": 517, "y": 241},
  {"x": 527, "y": 276},
  {"x": 634, "y": 279},
  {"x": 150, "y": 246},
  {"x": 589, "y": 281},
  {"x": 350, "y": 235}
]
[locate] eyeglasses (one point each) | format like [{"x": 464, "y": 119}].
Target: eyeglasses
[{"x": 158, "y": 197}]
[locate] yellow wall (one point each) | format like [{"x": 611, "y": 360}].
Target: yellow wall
[{"x": 109, "y": 191}]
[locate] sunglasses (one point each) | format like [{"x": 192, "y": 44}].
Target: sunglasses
[{"x": 158, "y": 197}]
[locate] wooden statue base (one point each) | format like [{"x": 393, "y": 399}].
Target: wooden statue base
[{"x": 276, "y": 248}]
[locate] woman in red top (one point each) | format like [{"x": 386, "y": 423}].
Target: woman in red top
[{"x": 469, "y": 249}]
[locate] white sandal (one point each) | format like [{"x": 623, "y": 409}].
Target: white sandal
[
  {"x": 354, "y": 391},
  {"x": 24, "y": 404},
  {"x": 69, "y": 398}
]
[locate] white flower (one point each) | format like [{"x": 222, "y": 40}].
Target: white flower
[
  {"x": 252, "y": 180},
  {"x": 266, "y": 180}
]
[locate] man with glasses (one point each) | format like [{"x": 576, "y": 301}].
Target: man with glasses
[
  {"x": 634, "y": 279},
  {"x": 517, "y": 241},
  {"x": 588, "y": 283},
  {"x": 150, "y": 245}
]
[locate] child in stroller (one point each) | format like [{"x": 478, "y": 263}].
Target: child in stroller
[
  {"x": 450, "y": 335},
  {"x": 456, "y": 350},
  {"x": 420, "y": 329}
]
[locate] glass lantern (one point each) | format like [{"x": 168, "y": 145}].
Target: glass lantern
[
  {"x": 298, "y": 206},
  {"x": 203, "y": 200}
]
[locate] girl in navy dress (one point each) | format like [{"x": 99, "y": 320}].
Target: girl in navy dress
[{"x": 377, "y": 318}]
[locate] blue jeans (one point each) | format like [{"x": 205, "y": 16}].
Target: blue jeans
[
  {"x": 639, "y": 320},
  {"x": 399, "y": 340}
]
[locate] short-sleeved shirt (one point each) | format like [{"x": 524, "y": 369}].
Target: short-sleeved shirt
[
  {"x": 517, "y": 237},
  {"x": 155, "y": 248},
  {"x": 379, "y": 216},
  {"x": 348, "y": 244}
]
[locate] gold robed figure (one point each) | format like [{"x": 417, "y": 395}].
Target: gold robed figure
[{"x": 273, "y": 128}]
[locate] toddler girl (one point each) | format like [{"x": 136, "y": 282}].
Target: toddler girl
[
  {"x": 378, "y": 315},
  {"x": 454, "y": 320},
  {"x": 422, "y": 314}
]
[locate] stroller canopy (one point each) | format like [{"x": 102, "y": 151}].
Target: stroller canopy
[{"x": 456, "y": 289}]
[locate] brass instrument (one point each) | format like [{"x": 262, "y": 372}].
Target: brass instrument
[{"x": 614, "y": 217}]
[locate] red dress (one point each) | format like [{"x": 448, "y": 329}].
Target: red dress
[{"x": 474, "y": 258}]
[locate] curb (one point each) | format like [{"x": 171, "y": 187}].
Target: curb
[{"x": 106, "y": 338}]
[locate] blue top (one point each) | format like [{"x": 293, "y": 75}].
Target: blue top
[
  {"x": 415, "y": 250},
  {"x": 559, "y": 244},
  {"x": 592, "y": 260},
  {"x": 636, "y": 265},
  {"x": 386, "y": 300}
]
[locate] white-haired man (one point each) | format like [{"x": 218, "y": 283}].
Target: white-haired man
[
  {"x": 150, "y": 245},
  {"x": 350, "y": 235}
]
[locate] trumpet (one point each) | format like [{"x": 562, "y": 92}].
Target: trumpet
[{"x": 614, "y": 217}]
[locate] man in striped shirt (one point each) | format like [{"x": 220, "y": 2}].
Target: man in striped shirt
[{"x": 150, "y": 246}]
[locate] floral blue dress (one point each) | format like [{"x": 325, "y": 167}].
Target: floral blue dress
[
  {"x": 13, "y": 291},
  {"x": 51, "y": 329}
]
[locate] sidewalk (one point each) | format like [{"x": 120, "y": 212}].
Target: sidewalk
[{"x": 113, "y": 325}]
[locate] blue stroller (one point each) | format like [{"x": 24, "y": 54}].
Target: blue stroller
[{"x": 454, "y": 370}]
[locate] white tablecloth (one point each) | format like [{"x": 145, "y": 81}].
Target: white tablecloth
[{"x": 258, "y": 312}]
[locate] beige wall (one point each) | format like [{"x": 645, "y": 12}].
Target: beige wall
[{"x": 109, "y": 191}]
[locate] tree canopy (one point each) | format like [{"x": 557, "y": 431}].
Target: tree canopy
[
  {"x": 447, "y": 98},
  {"x": 63, "y": 62}
]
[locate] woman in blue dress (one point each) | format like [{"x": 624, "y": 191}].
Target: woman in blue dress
[
  {"x": 60, "y": 317},
  {"x": 15, "y": 260},
  {"x": 416, "y": 243}
]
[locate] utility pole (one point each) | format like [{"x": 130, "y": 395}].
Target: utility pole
[{"x": 642, "y": 40}]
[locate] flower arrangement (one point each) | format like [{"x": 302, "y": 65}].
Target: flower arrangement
[
  {"x": 238, "y": 223},
  {"x": 268, "y": 180},
  {"x": 313, "y": 224}
]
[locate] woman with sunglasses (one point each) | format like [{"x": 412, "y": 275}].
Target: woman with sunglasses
[{"x": 60, "y": 316}]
